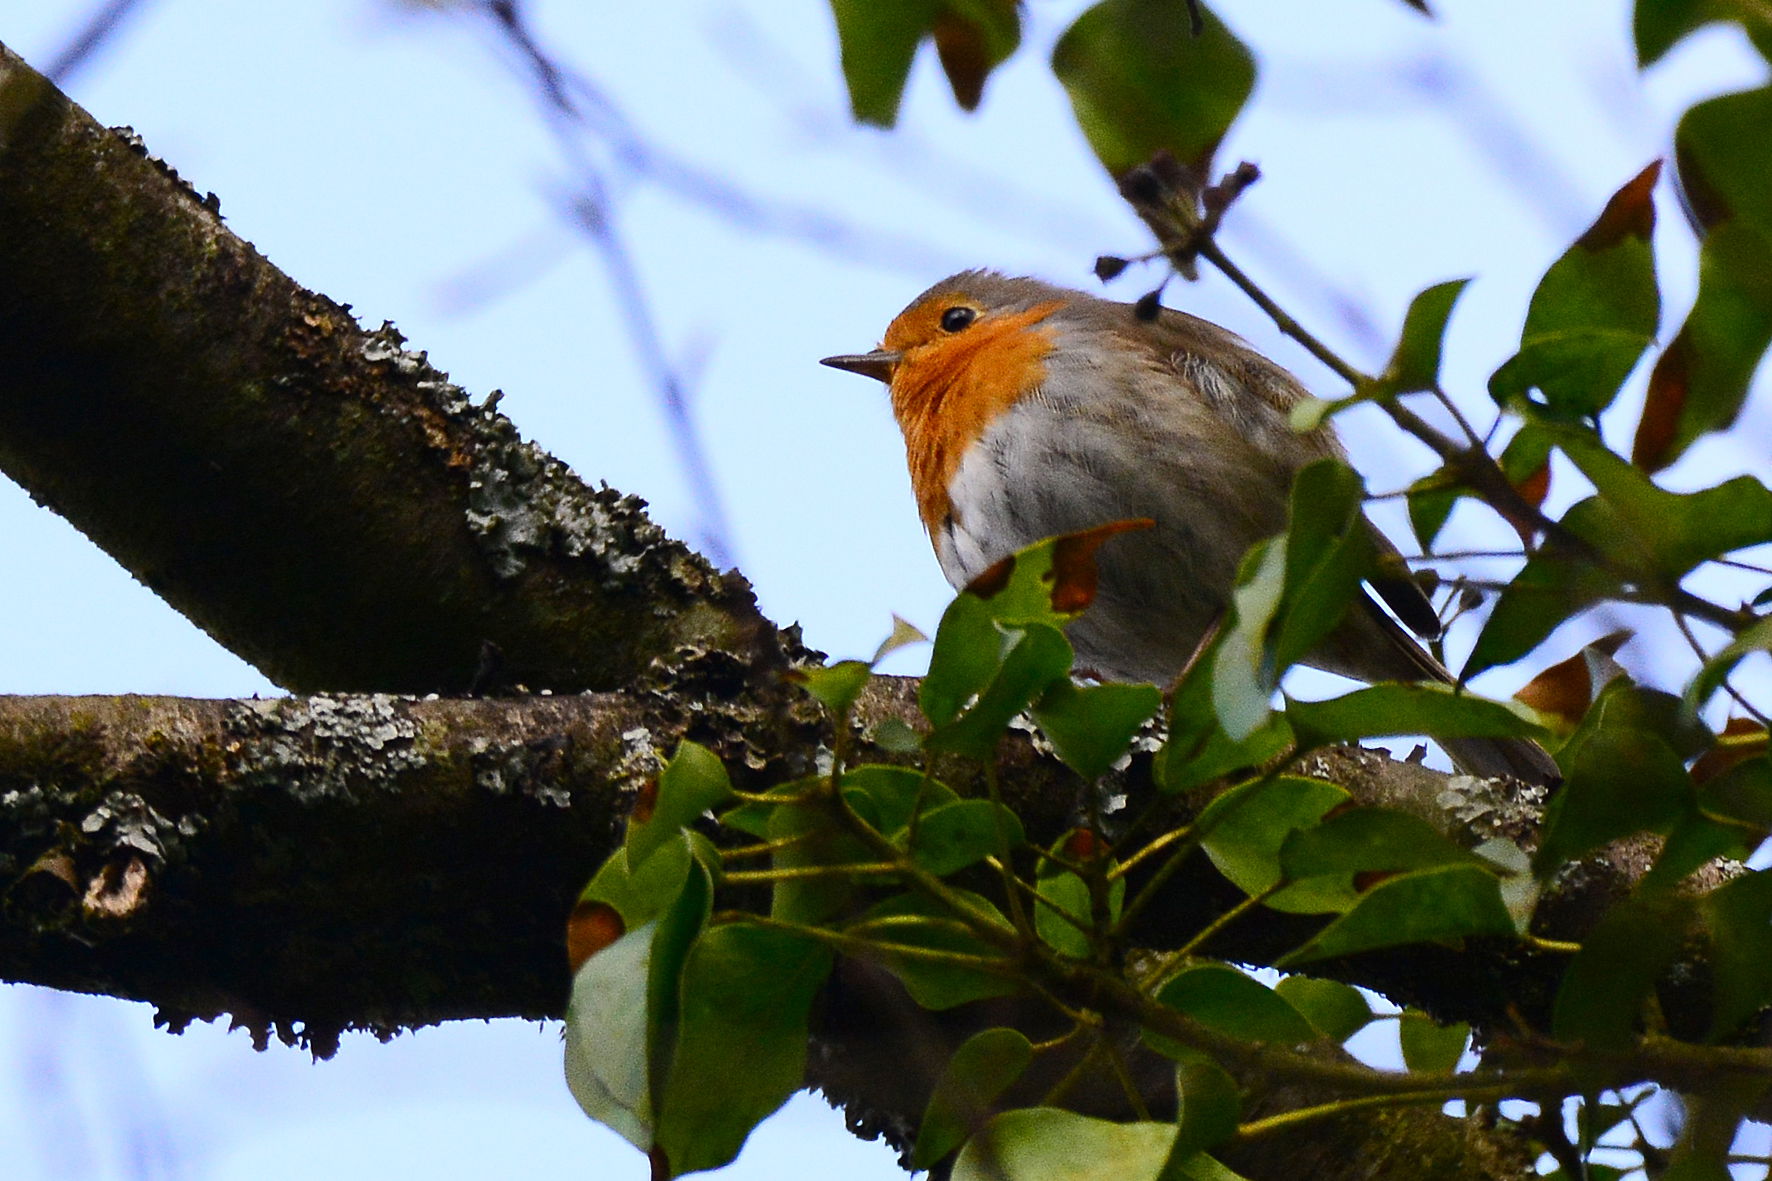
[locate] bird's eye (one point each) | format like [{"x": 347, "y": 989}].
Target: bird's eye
[{"x": 956, "y": 318}]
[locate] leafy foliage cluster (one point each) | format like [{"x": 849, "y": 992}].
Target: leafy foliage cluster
[{"x": 690, "y": 1020}]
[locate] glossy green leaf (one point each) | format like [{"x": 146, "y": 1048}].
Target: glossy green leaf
[
  {"x": 1724, "y": 150},
  {"x": 1737, "y": 917},
  {"x": 741, "y": 1046},
  {"x": 754, "y": 816},
  {"x": 1415, "y": 363},
  {"x": 1593, "y": 314},
  {"x": 984, "y": 1066},
  {"x": 1337, "y": 1010},
  {"x": 1237, "y": 1005},
  {"x": 1446, "y": 902},
  {"x": 1660, "y": 24},
  {"x": 1387, "y": 710},
  {"x": 693, "y": 782},
  {"x": 1367, "y": 840},
  {"x": 1140, "y": 81},
  {"x": 1600, "y": 1001},
  {"x": 1621, "y": 777},
  {"x": 1431, "y": 500},
  {"x": 934, "y": 984},
  {"x": 1429, "y": 1046},
  {"x": 952, "y": 836},
  {"x": 1091, "y": 726},
  {"x": 1040, "y": 655}
]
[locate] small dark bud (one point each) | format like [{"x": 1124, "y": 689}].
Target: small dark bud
[
  {"x": 1470, "y": 598},
  {"x": 1108, "y": 267},
  {"x": 1142, "y": 186},
  {"x": 1149, "y": 305}
]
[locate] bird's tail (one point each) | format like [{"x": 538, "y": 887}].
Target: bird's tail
[{"x": 1519, "y": 757}]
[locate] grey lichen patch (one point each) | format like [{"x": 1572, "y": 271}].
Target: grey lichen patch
[
  {"x": 123, "y": 820},
  {"x": 324, "y": 745},
  {"x": 1488, "y": 808}
]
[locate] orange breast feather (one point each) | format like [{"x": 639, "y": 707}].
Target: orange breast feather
[{"x": 948, "y": 389}]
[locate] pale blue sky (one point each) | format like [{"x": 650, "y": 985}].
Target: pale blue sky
[{"x": 391, "y": 158}]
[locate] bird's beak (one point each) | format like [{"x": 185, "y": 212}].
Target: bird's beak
[{"x": 877, "y": 364}]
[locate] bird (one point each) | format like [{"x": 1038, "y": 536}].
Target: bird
[{"x": 1030, "y": 410}]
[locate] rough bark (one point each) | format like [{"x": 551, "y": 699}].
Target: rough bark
[{"x": 315, "y": 496}]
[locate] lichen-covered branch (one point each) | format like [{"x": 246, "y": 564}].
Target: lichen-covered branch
[{"x": 317, "y": 497}]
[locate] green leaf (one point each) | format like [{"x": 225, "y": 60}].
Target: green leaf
[
  {"x": 887, "y": 796},
  {"x": 741, "y": 1048},
  {"x": 1388, "y": 710},
  {"x": 981, "y": 1069},
  {"x": 1040, "y": 655},
  {"x": 1660, "y": 532},
  {"x": 692, "y": 783},
  {"x": 1552, "y": 587},
  {"x": 1064, "y": 904},
  {"x": 1210, "y": 1106},
  {"x": 608, "y": 1068},
  {"x": 1724, "y": 150},
  {"x": 753, "y": 817},
  {"x": 969, "y": 649},
  {"x": 1593, "y": 314},
  {"x": 1601, "y": 998},
  {"x": 640, "y": 896},
  {"x": 1337, "y": 1010},
  {"x": 1738, "y": 919},
  {"x": 1660, "y": 24},
  {"x": 836, "y": 686},
  {"x": 1330, "y": 550},
  {"x": 931, "y": 983},
  {"x": 1092, "y": 726},
  {"x": 816, "y": 840},
  {"x": 1428, "y": 1046},
  {"x": 1244, "y": 828},
  {"x": 1692, "y": 841},
  {"x": 1243, "y": 671},
  {"x": 1140, "y": 82},
  {"x": 1621, "y": 776},
  {"x": 623, "y": 1011},
  {"x": 1236, "y": 1004},
  {"x": 1446, "y": 902},
  {"x": 1198, "y": 750},
  {"x": 1415, "y": 364},
  {"x": 1741, "y": 796},
  {"x": 879, "y": 41},
  {"x": 953, "y": 836},
  {"x": 1756, "y": 637},
  {"x": 1368, "y": 840},
  {"x": 1049, "y": 1144}
]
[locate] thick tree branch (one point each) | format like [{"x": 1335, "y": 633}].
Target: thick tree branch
[{"x": 316, "y": 497}]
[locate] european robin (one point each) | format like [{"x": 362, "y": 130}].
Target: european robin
[{"x": 1030, "y": 410}]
